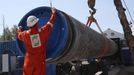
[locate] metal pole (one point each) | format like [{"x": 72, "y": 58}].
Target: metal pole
[{"x": 4, "y": 28}]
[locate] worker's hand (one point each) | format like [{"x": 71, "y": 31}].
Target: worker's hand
[
  {"x": 53, "y": 10},
  {"x": 20, "y": 27}
]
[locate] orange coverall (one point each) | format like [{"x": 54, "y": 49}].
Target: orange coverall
[{"x": 35, "y": 41}]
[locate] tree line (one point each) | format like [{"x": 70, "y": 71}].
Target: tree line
[{"x": 9, "y": 34}]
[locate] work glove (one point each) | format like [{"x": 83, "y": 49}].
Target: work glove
[
  {"x": 20, "y": 27},
  {"x": 53, "y": 10}
]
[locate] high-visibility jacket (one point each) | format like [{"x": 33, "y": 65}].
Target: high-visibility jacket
[{"x": 35, "y": 41}]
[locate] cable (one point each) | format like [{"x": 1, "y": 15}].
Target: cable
[
  {"x": 99, "y": 27},
  {"x": 128, "y": 11}
]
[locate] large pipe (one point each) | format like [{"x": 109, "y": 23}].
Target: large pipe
[
  {"x": 71, "y": 40},
  {"x": 84, "y": 43}
]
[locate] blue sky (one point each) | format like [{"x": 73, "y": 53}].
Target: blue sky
[{"x": 106, "y": 14}]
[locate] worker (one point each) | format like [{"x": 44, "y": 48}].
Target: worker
[{"x": 35, "y": 40}]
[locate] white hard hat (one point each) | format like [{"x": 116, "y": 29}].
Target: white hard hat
[{"x": 32, "y": 20}]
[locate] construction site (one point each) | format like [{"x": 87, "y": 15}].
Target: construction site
[{"x": 53, "y": 42}]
